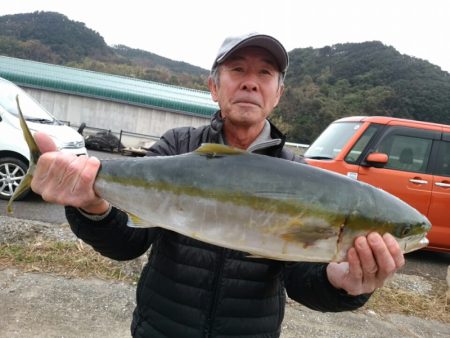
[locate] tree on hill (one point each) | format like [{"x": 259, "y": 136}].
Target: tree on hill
[
  {"x": 70, "y": 40},
  {"x": 359, "y": 79},
  {"x": 53, "y": 38}
]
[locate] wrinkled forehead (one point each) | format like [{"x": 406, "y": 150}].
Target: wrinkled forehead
[{"x": 252, "y": 53}]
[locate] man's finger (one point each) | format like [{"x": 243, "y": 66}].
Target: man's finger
[
  {"x": 394, "y": 249},
  {"x": 89, "y": 174},
  {"x": 355, "y": 275},
  {"x": 41, "y": 172},
  {"x": 385, "y": 262},
  {"x": 44, "y": 142},
  {"x": 368, "y": 262}
]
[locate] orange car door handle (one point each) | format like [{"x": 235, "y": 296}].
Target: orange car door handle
[
  {"x": 443, "y": 185},
  {"x": 417, "y": 181}
]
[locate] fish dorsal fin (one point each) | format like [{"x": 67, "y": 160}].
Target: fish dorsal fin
[{"x": 213, "y": 149}]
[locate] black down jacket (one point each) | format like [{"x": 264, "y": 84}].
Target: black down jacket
[{"x": 193, "y": 289}]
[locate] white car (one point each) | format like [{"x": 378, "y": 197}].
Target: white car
[{"x": 14, "y": 152}]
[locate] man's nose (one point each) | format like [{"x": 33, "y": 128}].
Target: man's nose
[{"x": 249, "y": 83}]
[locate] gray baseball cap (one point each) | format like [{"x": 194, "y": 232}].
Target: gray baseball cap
[{"x": 233, "y": 43}]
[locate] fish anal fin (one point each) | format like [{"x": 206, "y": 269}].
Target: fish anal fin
[{"x": 255, "y": 257}]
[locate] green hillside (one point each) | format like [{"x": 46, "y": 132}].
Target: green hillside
[
  {"x": 53, "y": 38},
  {"x": 360, "y": 79}
]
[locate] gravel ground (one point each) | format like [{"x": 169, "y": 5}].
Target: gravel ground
[{"x": 36, "y": 304}]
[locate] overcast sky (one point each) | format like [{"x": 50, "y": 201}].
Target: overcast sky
[{"x": 192, "y": 31}]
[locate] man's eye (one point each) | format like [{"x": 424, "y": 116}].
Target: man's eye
[
  {"x": 266, "y": 72},
  {"x": 238, "y": 69}
]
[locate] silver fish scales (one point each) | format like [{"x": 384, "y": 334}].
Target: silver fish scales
[{"x": 265, "y": 206}]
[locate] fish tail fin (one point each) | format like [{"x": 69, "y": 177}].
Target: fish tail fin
[{"x": 34, "y": 156}]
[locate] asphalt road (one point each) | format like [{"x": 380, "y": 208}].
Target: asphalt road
[{"x": 423, "y": 263}]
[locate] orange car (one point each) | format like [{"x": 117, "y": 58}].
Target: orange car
[{"x": 409, "y": 159}]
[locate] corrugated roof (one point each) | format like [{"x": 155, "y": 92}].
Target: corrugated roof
[{"x": 106, "y": 86}]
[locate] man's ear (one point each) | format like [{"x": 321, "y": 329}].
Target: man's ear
[
  {"x": 212, "y": 88},
  {"x": 279, "y": 94}
]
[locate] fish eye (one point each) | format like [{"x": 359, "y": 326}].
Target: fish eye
[{"x": 405, "y": 231}]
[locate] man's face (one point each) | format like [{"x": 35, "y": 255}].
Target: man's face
[{"x": 248, "y": 88}]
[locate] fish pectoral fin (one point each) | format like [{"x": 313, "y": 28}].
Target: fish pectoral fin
[
  {"x": 308, "y": 234},
  {"x": 300, "y": 237},
  {"x": 137, "y": 222}
]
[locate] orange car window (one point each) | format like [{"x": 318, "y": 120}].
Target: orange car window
[
  {"x": 330, "y": 142},
  {"x": 406, "y": 153},
  {"x": 359, "y": 146},
  {"x": 443, "y": 160}
]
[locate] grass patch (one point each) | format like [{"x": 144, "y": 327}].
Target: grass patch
[
  {"x": 432, "y": 305},
  {"x": 71, "y": 259}
]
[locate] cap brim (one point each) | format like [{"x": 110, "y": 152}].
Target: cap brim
[{"x": 264, "y": 41}]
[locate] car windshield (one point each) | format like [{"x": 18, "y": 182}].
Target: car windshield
[
  {"x": 31, "y": 110},
  {"x": 332, "y": 139}
]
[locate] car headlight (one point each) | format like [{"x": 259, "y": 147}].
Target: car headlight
[{"x": 72, "y": 145}]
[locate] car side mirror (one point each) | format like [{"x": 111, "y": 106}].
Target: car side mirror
[{"x": 377, "y": 160}]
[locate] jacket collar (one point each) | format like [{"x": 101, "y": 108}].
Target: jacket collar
[{"x": 270, "y": 138}]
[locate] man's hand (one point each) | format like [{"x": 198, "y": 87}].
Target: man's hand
[
  {"x": 66, "y": 179},
  {"x": 371, "y": 261}
]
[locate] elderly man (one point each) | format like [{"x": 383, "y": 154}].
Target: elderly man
[{"x": 193, "y": 289}]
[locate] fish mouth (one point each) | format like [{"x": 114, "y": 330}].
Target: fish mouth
[{"x": 414, "y": 243}]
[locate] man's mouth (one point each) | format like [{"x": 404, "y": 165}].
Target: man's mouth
[{"x": 247, "y": 102}]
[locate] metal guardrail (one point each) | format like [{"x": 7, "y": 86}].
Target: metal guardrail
[
  {"x": 136, "y": 144},
  {"x": 298, "y": 148},
  {"x": 123, "y": 141},
  {"x": 144, "y": 141}
]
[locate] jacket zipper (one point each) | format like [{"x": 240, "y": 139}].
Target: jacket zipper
[{"x": 216, "y": 286}]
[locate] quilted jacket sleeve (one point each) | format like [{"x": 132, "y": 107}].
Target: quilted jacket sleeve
[
  {"x": 111, "y": 236},
  {"x": 307, "y": 283}
]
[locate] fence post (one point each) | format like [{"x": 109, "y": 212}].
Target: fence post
[{"x": 120, "y": 141}]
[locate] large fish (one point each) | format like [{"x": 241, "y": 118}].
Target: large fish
[{"x": 261, "y": 205}]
